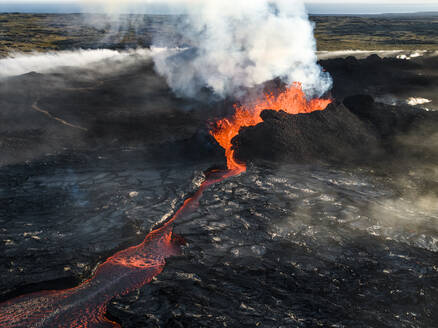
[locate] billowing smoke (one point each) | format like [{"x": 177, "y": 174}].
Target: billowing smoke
[
  {"x": 25, "y": 63},
  {"x": 239, "y": 43},
  {"x": 42, "y": 62}
]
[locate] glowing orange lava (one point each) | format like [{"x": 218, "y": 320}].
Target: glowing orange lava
[
  {"x": 85, "y": 305},
  {"x": 292, "y": 101}
]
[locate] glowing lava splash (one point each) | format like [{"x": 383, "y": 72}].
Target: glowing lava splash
[
  {"x": 85, "y": 306},
  {"x": 292, "y": 101}
]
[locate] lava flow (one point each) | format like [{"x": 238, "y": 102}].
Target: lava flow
[
  {"x": 85, "y": 306},
  {"x": 292, "y": 101},
  {"x": 127, "y": 270}
]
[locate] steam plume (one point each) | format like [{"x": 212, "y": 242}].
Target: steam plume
[
  {"x": 41, "y": 62},
  {"x": 239, "y": 43},
  {"x": 242, "y": 43}
]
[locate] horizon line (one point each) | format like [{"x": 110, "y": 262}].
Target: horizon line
[{"x": 151, "y": 9}]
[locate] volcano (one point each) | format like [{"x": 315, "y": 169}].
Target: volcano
[
  {"x": 307, "y": 210},
  {"x": 130, "y": 269}
]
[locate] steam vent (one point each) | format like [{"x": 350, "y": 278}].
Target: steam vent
[{"x": 218, "y": 164}]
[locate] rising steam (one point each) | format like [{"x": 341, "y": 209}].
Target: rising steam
[
  {"x": 17, "y": 64},
  {"x": 238, "y": 44}
]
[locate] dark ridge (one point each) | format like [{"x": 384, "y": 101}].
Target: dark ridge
[
  {"x": 357, "y": 131},
  {"x": 334, "y": 134}
]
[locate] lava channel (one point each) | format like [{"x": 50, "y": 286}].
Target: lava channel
[{"x": 85, "y": 305}]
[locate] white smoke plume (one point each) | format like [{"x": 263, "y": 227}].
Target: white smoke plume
[
  {"x": 43, "y": 62},
  {"x": 239, "y": 44}
]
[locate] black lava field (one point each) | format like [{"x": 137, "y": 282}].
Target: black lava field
[{"x": 333, "y": 224}]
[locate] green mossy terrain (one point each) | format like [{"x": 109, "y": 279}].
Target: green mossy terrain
[
  {"x": 44, "y": 32},
  {"x": 376, "y": 33}
]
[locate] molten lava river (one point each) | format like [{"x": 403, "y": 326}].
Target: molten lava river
[
  {"x": 127, "y": 270},
  {"x": 295, "y": 247}
]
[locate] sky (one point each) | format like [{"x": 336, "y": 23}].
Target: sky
[{"x": 158, "y": 6}]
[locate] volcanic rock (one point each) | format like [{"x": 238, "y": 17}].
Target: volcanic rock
[
  {"x": 383, "y": 76},
  {"x": 407, "y": 134},
  {"x": 335, "y": 134},
  {"x": 295, "y": 246},
  {"x": 386, "y": 120},
  {"x": 324, "y": 254},
  {"x": 357, "y": 130},
  {"x": 199, "y": 147}
]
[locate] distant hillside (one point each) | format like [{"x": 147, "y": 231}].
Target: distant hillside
[
  {"x": 379, "y": 32},
  {"x": 414, "y": 15}
]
